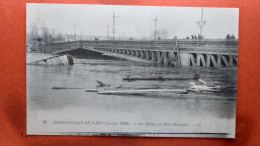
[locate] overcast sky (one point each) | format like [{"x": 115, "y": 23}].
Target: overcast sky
[{"x": 133, "y": 21}]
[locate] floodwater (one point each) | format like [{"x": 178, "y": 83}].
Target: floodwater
[{"x": 66, "y": 111}]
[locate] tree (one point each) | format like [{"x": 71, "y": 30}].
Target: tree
[
  {"x": 45, "y": 35},
  {"x": 34, "y": 34}
]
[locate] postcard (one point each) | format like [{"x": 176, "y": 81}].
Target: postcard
[{"x": 151, "y": 71}]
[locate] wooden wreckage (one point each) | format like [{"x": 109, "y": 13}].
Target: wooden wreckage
[
  {"x": 147, "y": 90},
  {"x": 157, "y": 91},
  {"x": 55, "y": 60},
  {"x": 133, "y": 90},
  {"x": 196, "y": 76},
  {"x": 143, "y": 91}
]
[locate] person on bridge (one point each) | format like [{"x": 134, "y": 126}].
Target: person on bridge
[
  {"x": 228, "y": 37},
  {"x": 232, "y": 37}
]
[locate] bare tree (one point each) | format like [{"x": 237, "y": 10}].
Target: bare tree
[
  {"x": 45, "y": 35},
  {"x": 34, "y": 34}
]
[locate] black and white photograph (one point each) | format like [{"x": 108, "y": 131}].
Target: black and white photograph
[{"x": 117, "y": 70}]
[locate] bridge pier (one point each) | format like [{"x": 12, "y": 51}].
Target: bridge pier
[
  {"x": 198, "y": 60},
  {"x": 166, "y": 58},
  {"x": 138, "y": 53},
  {"x": 148, "y": 55},
  {"x": 208, "y": 60},
  {"x": 132, "y": 53},
  {"x": 213, "y": 60},
  {"x": 152, "y": 56},
  {"x": 203, "y": 60},
  {"x": 231, "y": 60},
  {"x": 159, "y": 61},
  {"x": 218, "y": 60},
  {"x": 192, "y": 59},
  {"x": 236, "y": 58},
  {"x": 225, "y": 60},
  {"x": 142, "y": 54}
]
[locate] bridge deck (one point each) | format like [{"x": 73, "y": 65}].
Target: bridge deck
[{"x": 189, "y": 53}]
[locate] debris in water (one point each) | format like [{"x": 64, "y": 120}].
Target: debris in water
[{"x": 56, "y": 60}]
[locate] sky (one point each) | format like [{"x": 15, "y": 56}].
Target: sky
[{"x": 132, "y": 21}]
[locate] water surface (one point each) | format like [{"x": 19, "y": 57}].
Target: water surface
[{"x": 45, "y": 104}]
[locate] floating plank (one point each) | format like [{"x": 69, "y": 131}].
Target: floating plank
[
  {"x": 101, "y": 84},
  {"x": 141, "y": 92},
  {"x": 138, "y": 87},
  {"x": 56, "y": 60},
  {"x": 91, "y": 90},
  {"x": 57, "y": 88},
  {"x": 188, "y": 96},
  {"x": 160, "y": 78}
]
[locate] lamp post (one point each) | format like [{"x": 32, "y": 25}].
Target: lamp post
[{"x": 201, "y": 24}]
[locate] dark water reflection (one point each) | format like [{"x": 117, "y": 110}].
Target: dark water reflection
[{"x": 43, "y": 100}]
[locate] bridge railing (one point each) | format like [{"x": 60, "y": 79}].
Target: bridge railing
[
  {"x": 183, "y": 44},
  {"x": 192, "y": 42}
]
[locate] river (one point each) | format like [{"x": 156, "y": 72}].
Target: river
[{"x": 49, "y": 110}]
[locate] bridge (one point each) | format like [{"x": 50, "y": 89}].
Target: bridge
[{"x": 189, "y": 53}]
